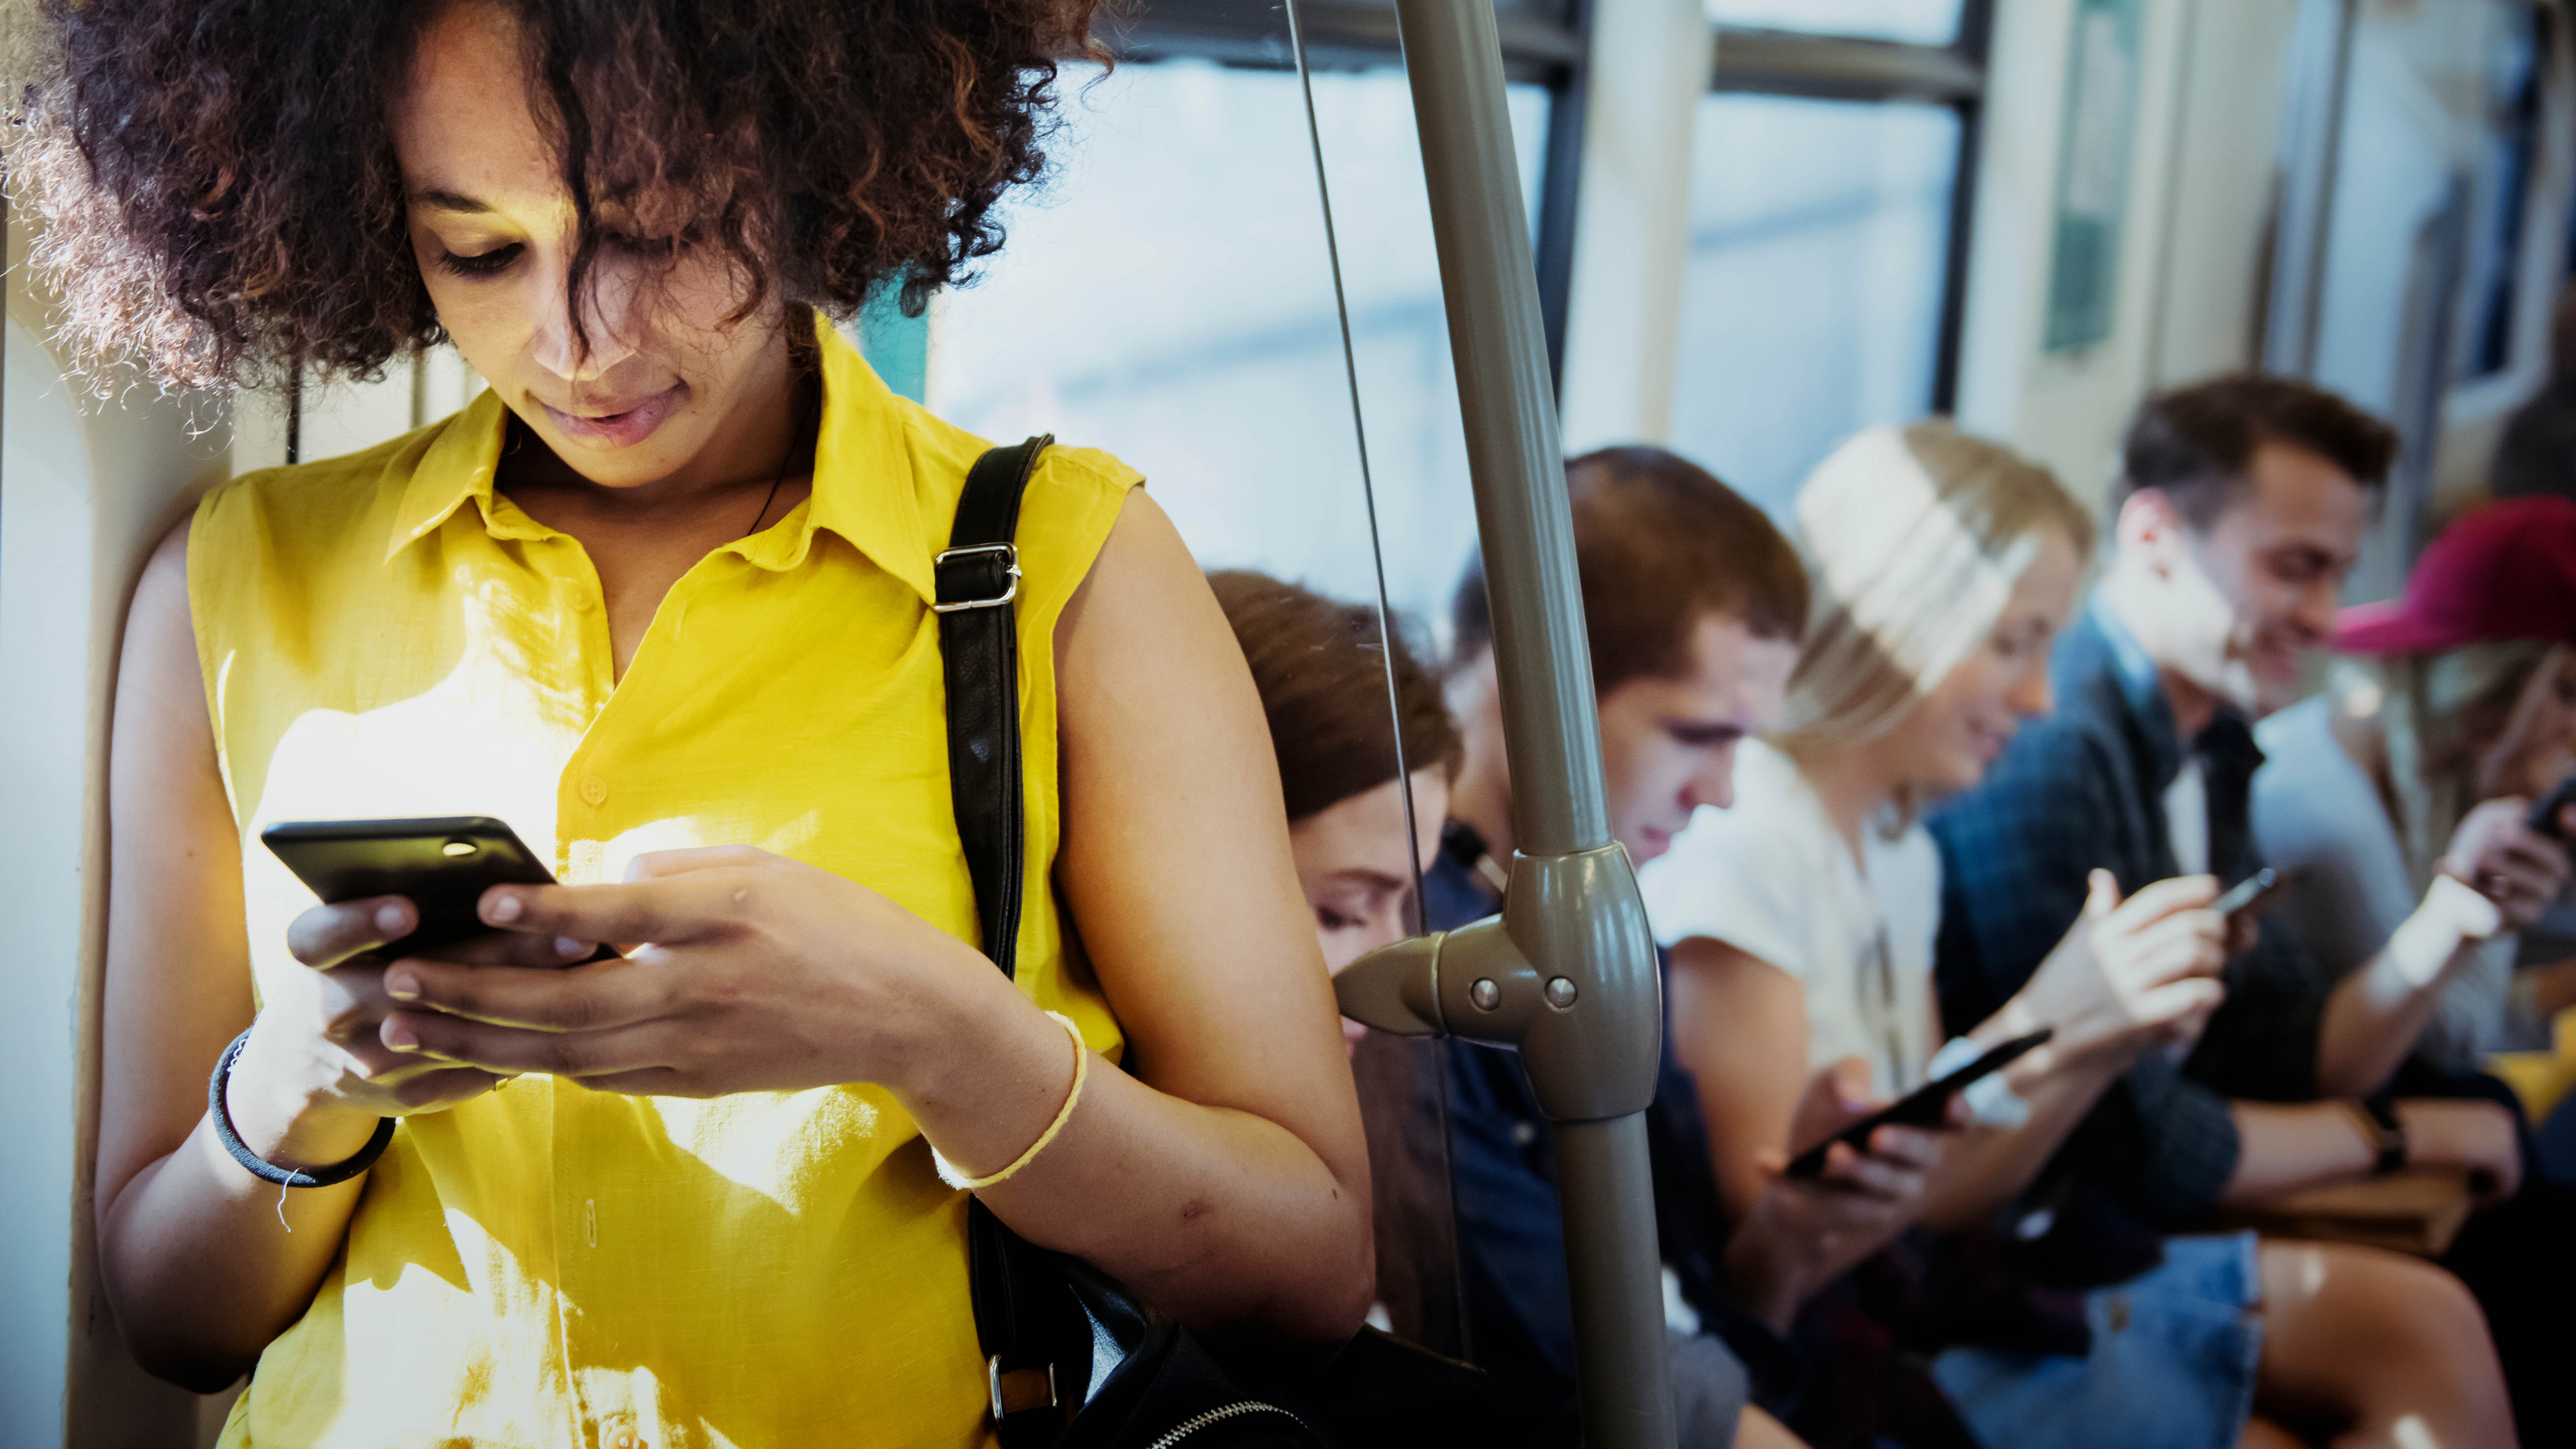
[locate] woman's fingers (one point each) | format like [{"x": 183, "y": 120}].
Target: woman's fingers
[
  {"x": 327, "y": 935},
  {"x": 1914, "y": 1149},
  {"x": 514, "y": 1050},
  {"x": 669, "y": 908},
  {"x": 656, "y": 864},
  {"x": 1870, "y": 1174},
  {"x": 2154, "y": 902},
  {"x": 511, "y": 948},
  {"x": 600, "y": 996},
  {"x": 2178, "y": 1001},
  {"x": 445, "y": 1086}
]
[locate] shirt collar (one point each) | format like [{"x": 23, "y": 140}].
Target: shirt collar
[
  {"x": 863, "y": 477},
  {"x": 2227, "y": 739}
]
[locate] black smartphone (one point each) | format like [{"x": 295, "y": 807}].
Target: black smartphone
[
  {"x": 443, "y": 863},
  {"x": 1925, "y": 1106},
  {"x": 2543, "y": 819},
  {"x": 2250, "y": 894}
]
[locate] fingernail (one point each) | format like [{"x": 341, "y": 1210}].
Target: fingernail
[
  {"x": 389, "y": 918},
  {"x": 568, "y": 948},
  {"x": 504, "y": 907},
  {"x": 399, "y": 1037},
  {"x": 402, "y": 985}
]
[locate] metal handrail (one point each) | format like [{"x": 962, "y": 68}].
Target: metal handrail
[{"x": 1567, "y": 974}]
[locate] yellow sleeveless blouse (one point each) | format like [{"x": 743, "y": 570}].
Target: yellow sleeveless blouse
[{"x": 385, "y": 635}]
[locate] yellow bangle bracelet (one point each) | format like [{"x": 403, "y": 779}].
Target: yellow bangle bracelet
[{"x": 948, "y": 1172}]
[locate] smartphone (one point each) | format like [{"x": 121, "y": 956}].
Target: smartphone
[
  {"x": 2543, "y": 819},
  {"x": 2250, "y": 894},
  {"x": 443, "y": 863},
  {"x": 1925, "y": 1106}
]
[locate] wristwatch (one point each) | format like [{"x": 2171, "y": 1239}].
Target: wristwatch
[{"x": 2377, "y": 1117}]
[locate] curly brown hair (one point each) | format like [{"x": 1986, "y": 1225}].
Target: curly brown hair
[{"x": 220, "y": 198}]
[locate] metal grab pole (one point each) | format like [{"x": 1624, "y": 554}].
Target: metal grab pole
[{"x": 1570, "y": 977}]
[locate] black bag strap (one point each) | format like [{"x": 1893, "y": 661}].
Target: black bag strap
[{"x": 1036, "y": 1342}]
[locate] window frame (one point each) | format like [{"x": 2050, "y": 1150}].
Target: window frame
[
  {"x": 1757, "y": 61},
  {"x": 1545, "y": 42}
]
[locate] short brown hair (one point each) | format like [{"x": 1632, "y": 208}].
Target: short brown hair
[
  {"x": 2193, "y": 444},
  {"x": 1660, "y": 542},
  {"x": 1323, "y": 683}
]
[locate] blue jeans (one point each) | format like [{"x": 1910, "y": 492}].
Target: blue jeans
[{"x": 2171, "y": 1367}]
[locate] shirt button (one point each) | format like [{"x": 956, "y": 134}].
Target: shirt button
[
  {"x": 583, "y": 603},
  {"x": 626, "y": 1440},
  {"x": 594, "y": 789}
]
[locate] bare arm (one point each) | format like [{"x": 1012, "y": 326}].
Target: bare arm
[
  {"x": 1740, "y": 1027},
  {"x": 2375, "y": 1014},
  {"x": 200, "y": 1268},
  {"x": 1985, "y": 1168},
  {"x": 1229, "y": 1179}
]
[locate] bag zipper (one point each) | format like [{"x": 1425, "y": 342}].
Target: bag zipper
[{"x": 1192, "y": 1425}]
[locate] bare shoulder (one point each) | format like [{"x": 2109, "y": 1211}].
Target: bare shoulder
[
  {"x": 159, "y": 627},
  {"x": 1144, "y": 572}
]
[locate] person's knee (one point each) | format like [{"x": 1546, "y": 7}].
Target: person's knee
[{"x": 2398, "y": 1332}]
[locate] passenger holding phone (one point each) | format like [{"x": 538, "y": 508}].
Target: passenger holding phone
[
  {"x": 1692, "y": 603},
  {"x": 662, "y": 600},
  {"x": 1802, "y": 925},
  {"x": 2450, "y": 719}
]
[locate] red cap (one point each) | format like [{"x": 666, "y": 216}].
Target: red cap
[{"x": 2503, "y": 571}]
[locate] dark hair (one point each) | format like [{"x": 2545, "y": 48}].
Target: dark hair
[
  {"x": 1322, "y": 679},
  {"x": 220, "y": 196},
  {"x": 2194, "y": 444},
  {"x": 1660, "y": 543}
]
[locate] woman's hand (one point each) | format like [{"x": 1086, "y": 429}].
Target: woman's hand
[
  {"x": 316, "y": 1075},
  {"x": 2128, "y": 974},
  {"x": 1803, "y": 1232},
  {"x": 2509, "y": 863},
  {"x": 755, "y": 973}
]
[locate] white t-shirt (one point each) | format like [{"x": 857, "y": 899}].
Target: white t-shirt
[{"x": 1772, "y": 879}]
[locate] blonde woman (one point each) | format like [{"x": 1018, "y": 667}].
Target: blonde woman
[{"x": 1802, "y": 926}]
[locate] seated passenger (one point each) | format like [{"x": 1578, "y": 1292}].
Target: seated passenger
[
  {"x": 1692, "y": 603},
  {"x": 2416, "y": 776},
  {"x": 1324, "y": 683},
  {"x": 1345, "y": 770},
  {"x": 662, "y": 598},
  {"x": 1802, "y": 924},
  {"x": 2240, "y": 508}
]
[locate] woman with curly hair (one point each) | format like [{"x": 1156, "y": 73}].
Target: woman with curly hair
[{"x": 660, "y": 599}]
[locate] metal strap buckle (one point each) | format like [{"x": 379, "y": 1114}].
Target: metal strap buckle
[
  {"x": 1019, "y": 1390},
  {"x": 1010, "y": 556}
]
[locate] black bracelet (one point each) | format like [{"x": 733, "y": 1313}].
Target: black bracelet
[
  {"x": 2382, "y": 1110},
  {"x": 267, "y": 1171}
]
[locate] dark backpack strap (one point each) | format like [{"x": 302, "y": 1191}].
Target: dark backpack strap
[{"x": 1036, "y": 1342}]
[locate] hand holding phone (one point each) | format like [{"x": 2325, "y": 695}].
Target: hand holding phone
[
  {"x": 441, "y": 864},
  {"x": 1925, "y": 1106},
  {"x": 2249, "y": 896},
  {"x": 2547, "y": 811}
]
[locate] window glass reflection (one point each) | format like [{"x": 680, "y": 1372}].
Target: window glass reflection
[
  {"x": 1168, "y": 296},
  {"x": 1924, "y": 22},
  {"x": 1812, "y": 302}
]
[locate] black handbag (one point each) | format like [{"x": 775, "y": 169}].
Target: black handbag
[{"x": 1041, "y": 1318}]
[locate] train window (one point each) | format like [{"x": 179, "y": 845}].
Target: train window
[
  {"x": 1168, "y": 294},
  {"x": 2508, "y": 153},
  {"x": 1812, "y": 302},
  {"x": 1921, "y": 22}
]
